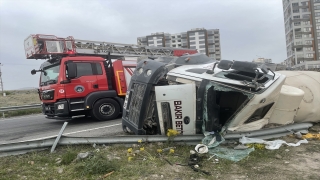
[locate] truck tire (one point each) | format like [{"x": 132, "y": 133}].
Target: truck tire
[{"x": 105, "y": 109}]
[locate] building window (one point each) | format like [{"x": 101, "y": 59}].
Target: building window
[
  {"x": 174, "y": 45},
  {"x": 307, "y": 35},
  {"x": 317, "y": 7},
  {"x": 310, "y": 55},
  {"x": 296, "y": 23},
  {"x": 191, "y": 34},
  {"x": 201, "y": 37},
  {"x": 308, "y": 42},
  {"x": 192, "y": 42},
  {"x": 201, "y": 42},
  {"x": 201, "y": 33},
  {"x": 192, "y": 38},
  {"x": 296, "y": 17},
  {"x": 202, "y": 46},
  {"x": 295, "y": 4},
  {"x": 295, "y": 10},
  {"x": 193, "y": 47},
  {"x": 202, "y": 51},
  {"x": 304, "y": 3},
  {"x": 317, "y": 14},
  {"x": 307, "y": 29},
  {"x": 308, "y": 49},
  {"x": 316, "y": 1},
  {"x": 318, "y": 26}
]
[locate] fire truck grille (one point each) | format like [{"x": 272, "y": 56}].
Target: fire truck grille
[
  {"x": 47, "y": 95},
  {"x": 136, "y": 102}
]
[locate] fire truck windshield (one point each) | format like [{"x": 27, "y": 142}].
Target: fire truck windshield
[{"x": 51, "y": 75}]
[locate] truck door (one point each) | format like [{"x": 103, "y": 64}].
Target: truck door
[
  {"x": 84, "y": 83},
  {"x": 176, "y": 105}
]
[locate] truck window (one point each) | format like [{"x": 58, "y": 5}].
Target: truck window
[
  {"x": 84, "y": 69},
  {"x": 99, "y": 69}
]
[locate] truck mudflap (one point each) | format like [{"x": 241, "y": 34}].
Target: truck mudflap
[{"x": 139, "y": 106}]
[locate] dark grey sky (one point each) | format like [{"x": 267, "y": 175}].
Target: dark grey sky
[{"x": 248, "y": 28}]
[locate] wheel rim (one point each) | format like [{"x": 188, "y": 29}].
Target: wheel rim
[{"x": 107, "y": 109}]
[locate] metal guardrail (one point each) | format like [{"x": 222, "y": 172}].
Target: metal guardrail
[
  {"x": 16, "y": 108},
  {"x": 44, "y": 143}
]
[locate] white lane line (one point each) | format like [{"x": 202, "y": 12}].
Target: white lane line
[
  {"x": 76, "y": 132},
  {"x": 7, "y": 119}
]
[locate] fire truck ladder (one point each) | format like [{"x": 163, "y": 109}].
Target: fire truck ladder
[{"x": 45, "y": 45}]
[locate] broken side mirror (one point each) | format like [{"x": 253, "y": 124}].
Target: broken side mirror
[
  {"x": 33, "y": 72},
  {"x": 72, "y": 70}
]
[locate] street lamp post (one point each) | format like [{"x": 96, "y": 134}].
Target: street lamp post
[{"x": 1, "y": 84}]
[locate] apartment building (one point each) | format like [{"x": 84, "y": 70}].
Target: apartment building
[
  {"x": 302, "y": 31},
  {"x": 206, "y": 41},
  {"x": 262, "y": 60}
]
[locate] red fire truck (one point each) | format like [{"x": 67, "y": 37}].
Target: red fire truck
[{"x": 81, "y": 77}]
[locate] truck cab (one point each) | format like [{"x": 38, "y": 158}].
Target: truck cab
[
  {"x": 72, "y": 86},
  {"x": 222, "y": 97}
]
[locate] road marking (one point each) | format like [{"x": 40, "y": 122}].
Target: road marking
[
  {"x": 76, "y": 132},
  {"x": 7, "y": 119}
]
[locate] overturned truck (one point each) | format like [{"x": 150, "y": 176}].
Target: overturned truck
[{"x": 193, "y": 94}]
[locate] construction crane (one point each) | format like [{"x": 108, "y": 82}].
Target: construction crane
[{"x": 41, "y": 46}]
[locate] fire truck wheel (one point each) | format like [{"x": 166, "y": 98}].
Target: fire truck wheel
[{"x": 105, "y": 109}]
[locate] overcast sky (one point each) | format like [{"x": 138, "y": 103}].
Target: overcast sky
[{"x": 248, "y": 28}]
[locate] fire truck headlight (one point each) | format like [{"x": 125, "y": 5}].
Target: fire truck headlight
[
  {"x": 140, "y": 70},
  {"x": 149, "y": 72},
  {"x": 61, "y": 106}
]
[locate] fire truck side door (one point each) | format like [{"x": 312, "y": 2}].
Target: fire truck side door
[
  {"x": 176, "y": 105},
  {"x": 84, "y": 83}
]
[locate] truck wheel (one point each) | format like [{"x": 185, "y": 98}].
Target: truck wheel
[{"x": 105, "y": 109}]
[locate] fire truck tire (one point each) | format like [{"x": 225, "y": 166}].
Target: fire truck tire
[{"x": 105, "y": 109}]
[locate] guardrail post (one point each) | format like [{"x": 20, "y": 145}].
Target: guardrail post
[
  {"x": 3, "y": 115},
  {"x": 58, "y": 137}
]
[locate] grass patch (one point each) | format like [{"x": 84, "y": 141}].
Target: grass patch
[
  {"x": 21, "y": 112},
  {"x": 68, "y": 157},
  {"x": 97, "y": 165},
  {"x": 19, "y": 97},
  {"x": 144, "y": 160}
]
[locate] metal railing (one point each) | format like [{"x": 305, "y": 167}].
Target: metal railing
[
  {"x": 16, "y": 108},
  {"x": 45, "y": 143}
]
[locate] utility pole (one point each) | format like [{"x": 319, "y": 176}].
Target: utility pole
[{"x": 1, "y": 84}]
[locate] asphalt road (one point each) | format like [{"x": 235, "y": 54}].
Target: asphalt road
[{"x": 37, "y": 126}]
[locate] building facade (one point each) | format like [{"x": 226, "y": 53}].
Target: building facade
[
  {"x": 302, "y": 30},
  {"x": 262, "y": 60},
  {"x": 206, "y": 41}
]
